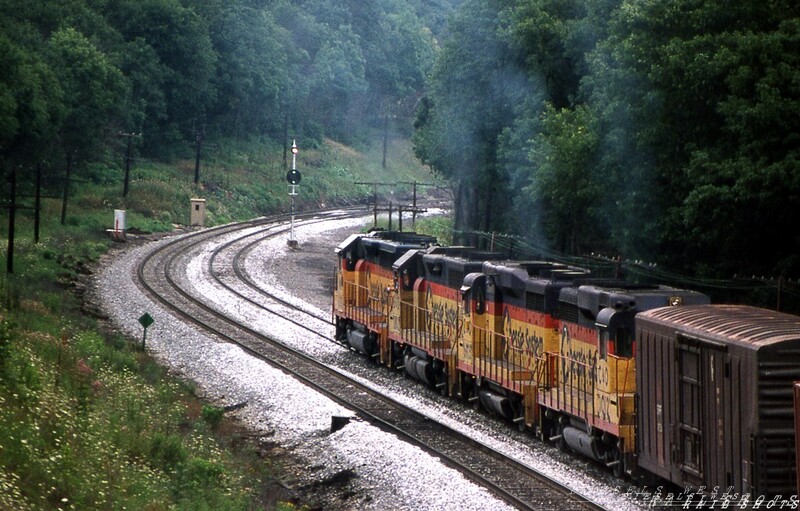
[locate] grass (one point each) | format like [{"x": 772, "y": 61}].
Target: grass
[
  {"x": 440, "y": 227},
  {"x": 87, "y": 421}
]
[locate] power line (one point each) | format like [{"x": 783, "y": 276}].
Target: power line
[{"x": 642, "y": 269}]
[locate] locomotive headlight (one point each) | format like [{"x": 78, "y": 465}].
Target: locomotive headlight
[{"x": 675, "y": 301}]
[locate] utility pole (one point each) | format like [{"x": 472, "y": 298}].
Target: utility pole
[
  {"x": 37, "y": 203},
  {"x": 14, "y": 205},
  {"x": 385, "y": 139},
  {"x": 414, "y": 209},
  {"x": 374, "y": 186},
  {"x": 67, "y": 180},
  {"x": 12, "y": 217},
  {"x": 12, "y": 212},
  {"x": 66, "y": 189},
  {"x": 198, "y": 143},
  {"x": 128, "y": 160}
]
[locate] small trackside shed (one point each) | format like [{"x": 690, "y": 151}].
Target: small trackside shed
[{"x": 715, "y": 405}]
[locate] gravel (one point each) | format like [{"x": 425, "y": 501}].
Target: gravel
[{"x": 358, "y": 466}]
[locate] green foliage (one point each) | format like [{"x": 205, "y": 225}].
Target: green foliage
[
  {"x": 212, "y": 415},
  {"x": 565, "y": 152},
  {"x": 91, "y": 85},
  {"x": 78, "y": 73},
  {"x": 659, "y": 130},
  {"x": 439, "y": 226},
  {"x": 81, "y": 430},
  {"x": 166, "y": 451}
]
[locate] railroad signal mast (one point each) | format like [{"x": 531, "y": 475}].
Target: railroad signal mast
[{"x": 293, "y": 177}]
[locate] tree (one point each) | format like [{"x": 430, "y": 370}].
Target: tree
[
  {"x": 179, "y": 41},
  {"x": 475, "y": 87},
  {"x": 697, "y": 97},
  {"x": 566, "y": 188},
  {"x": 92, "y": 89},
  {"x": 337, "y": 76},
  {"x": 30, "y": 105},
  {"x": 252, "y": 70},
  {"x": 747, "y": 177}
]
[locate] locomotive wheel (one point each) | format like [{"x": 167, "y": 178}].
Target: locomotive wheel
[
  {"x": 476, "y": 402},
  {"x": 616, "y": 456},
  {"x": 519, "y": 411},
  {"x": 561, "y": 442}
]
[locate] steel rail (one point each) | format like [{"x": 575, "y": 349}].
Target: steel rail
[{"x": 512, "y": 481}]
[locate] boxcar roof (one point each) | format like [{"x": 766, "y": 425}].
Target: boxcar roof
[{"x": 739, "y": 324}]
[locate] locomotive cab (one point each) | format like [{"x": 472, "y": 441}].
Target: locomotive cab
[
  {"x": 615, "y": 332},
  {"x": 364, "y": 283}
]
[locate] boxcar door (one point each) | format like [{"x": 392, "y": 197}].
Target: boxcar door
[
  {"x": 690, "y": 417},
  {"x": 721, "y": 395}
]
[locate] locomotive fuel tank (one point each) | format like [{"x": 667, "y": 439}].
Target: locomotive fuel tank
[
  {"x": 420, "y": 366},
  {"x": 583, "y": 443},
  {"x": 361, "y": 340},
  {"x": 496, "y": 400}
]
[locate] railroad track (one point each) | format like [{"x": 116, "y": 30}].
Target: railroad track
[{"x": 162, "y": 275}]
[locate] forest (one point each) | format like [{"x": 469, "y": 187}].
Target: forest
[
  {"x": 663, "y": 131},
  {"x": 77, "y": 73}
]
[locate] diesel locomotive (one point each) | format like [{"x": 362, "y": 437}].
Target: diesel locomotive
[{"x": 644, "y": 379}]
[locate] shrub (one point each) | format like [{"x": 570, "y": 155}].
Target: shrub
[{"x": 212, "y": 415}]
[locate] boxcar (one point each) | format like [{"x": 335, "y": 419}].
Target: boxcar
[
  {"x": 715, "y": 388},
  {"x": 797, "y": 430}
]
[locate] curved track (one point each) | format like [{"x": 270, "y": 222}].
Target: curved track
[{"x": 162, "y": 274}]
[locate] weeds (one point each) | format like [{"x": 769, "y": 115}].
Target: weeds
[
  {"x": 212, "y": 416},
  {"x": 80, "y": 428}
]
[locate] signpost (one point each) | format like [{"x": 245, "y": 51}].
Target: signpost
[
  {"x": 293, "y": 177},
  {"x": 145, "y": 320}
]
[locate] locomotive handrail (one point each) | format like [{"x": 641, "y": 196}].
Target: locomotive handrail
[
  {"x": 625, "y": 373},
  {"x": 437, "y": 331},
  {"x": 572, "y": 392}
]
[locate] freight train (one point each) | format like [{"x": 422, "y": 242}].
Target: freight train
[{"x": 649, "y": 380}]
